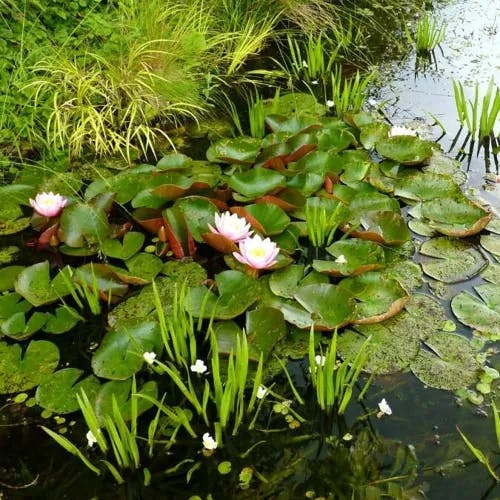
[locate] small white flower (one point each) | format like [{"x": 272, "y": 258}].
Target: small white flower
[
  {"x": 261, "y": 392},
  {"x": 314, "y": 82},
  {"x": 320, "y": 360},
  {"x": 330, "y": 103},
  {"x": 304, "y": 64},
  {"x": 91, "y": 440},
  {"x": 199, "y": 366},
  {"x": 384, "y": 408},
  {"x": 341, "y": 259},
  {"x": 209, "y": 443},
  {"x": 399, "y": 130},
  {"x": 372, "y": 102},
  {"x": 149, "y": 357}
]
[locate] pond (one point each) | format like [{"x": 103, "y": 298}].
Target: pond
[{"x": 408, "y": 447}]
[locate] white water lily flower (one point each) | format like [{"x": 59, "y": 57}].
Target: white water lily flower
[
  {"x": 261, "y": 392},
  {"x": 231, "y": 226},
  {"x": 314, "y": 82},
  {"x": 209, "y": 443},
  {"x": 199, "y": 366},
  {"x": 330, "y": 103},
  {"x": 257, "y": 253},
  {"x": 384, "y": 408},
  {"x": 372, "y": 102},
  {"x": 341, "y": 259},
  {"x": 149, "y": 357},
  {"x": 399, "y": 130},
  {"x": 304, "y": 64},
  {"x": 91, "y": 440},
  {"x": 48, "y": 204}
]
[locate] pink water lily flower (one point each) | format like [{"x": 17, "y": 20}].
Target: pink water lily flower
[
  {"x": 231, "y": 226},
  {"x": 48, "y": 204},
  {"x": 257, "y": 253}
]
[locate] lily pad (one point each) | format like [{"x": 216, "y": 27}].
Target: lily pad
[
  {"x": 256, "y": 182},
  {"x": 131, "y": 244},
  {"x": 58, "y": 392},
  {"x": 372, "y": 133},
  {"x": 423, "y": 186},
  {"x": 330, "y": 306},
  {"x": 145, "y": 266},
  {"x": 481, "y": 313},
  {"x": 19, "y": 328},
  {"x": 457, "y": 216},
  {"x": 35, "y": 285},
  {"x": 13, "y": 226},
  {"x": 285, "y": 282},
  {"x": 23, "y": 371},
  {"x": 121, "y": 391},
  {"x": 243, "y": 150},
  {"x": 8, "y": 276},
  {"x": 492, "y": 273},
  {"x": 236, "y": 292},
  {"x": 271, "y": 218},
  {"x": 198, "y": 212},
  {"x": 360, "y": 256},
  {"x": 7, "y": 254},
  {"x": 491, "y": 243},
  {"x": 120, "y": 354},
  {"x": 63, "y": 320},
  {"x": 450, "y": 363},
  {"x": 379, "y": 297},
  {"x": 83, "y": 225},
  {"x": 452, "y": 260},
  {"x": 384, "y": 227},
  {"x": 408, "y": 150}
]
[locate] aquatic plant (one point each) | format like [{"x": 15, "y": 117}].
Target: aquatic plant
[
  {"x": 257, "y": 253},
  {"x": 429, "y": 33}
]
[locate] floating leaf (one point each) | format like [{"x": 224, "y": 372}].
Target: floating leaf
[
  {"x": 145, "y": 266},
  {"x": 285, "y": 282},
  {"x": 35, "y": 285},
  {"x": 16, "y": 327},
  {"x": 120, "y": 354},
  {"x": 243, "y": 150},
  {"x": 256, "y": 182},
  {"x": 491, "y": 243},
  {"x": 423, "y": 186},
  {"x": 58, "y": 391},
  {"x": 383, "y": 227},
  {"x": 236, "y": 292},
  {"x": 120, "y": 391},
  {"x": 372, "y": 133},
  {"x": 63, "y": 320},
  {"x": 198, "y": 212},
  {"x": 20, "y": 372},
  {"x": 83, "y": 225},
  {"x": 408, "y": 150},
  {"x": 271, "y": 218},
  {"x": 131, "y": 244},
  {"x": 492, "y": 273},
  {"x": 13, "y": 226},
  {"x": 330, "y": 306},
  {"x": 449, "y": 364},
  {"x": 452, "y": 260},
  {"x": 8, "y": 276},
  {"x": 482, "y": 313}
]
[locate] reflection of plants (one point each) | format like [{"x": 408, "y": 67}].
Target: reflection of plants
[
  {"x": 349, "y": 94},
  {"x": 332, "y": 380},
  {"x": 477, "y": 452}
]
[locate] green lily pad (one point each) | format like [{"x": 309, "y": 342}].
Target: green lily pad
[
  {"x": 131, "y": 244},
  {"x": 360, "y": 256},
  {"x": 457, "y": 216},
  {"x": 396, "y": 341},
  {"x": 384, "y": 227},
  {"x": 102, "y": 276},
  {"x": 294, "y": 103},
  {"x": 408, "y": 150},
  {"x": 236, "y": 292},
  {"x": 481, "y": 313},
  {"x": 120, "y": 354},
  {"x": 23, "y": 371},
  {"x": 408, "y": 273},
  {"x": 491, "y": 243},
  {"x": 8, "y": 254},
  {"x": 330, "y": 306},
  {"x": 35, "y": 285},
  {"x": 285, "y": 282},
  {"x": 494, "y": 225},
  {"x": 452, "y": 260},
  {"x": 63, "y": 320},
  {"x": 492, "y": 273},
  {"x": 271, "y": 218},
  {"x": 256, "y": 182},
  {"x": 18, "y": 328},
  {"x": 83, "y": 225},
  {"x": 198, "y": 212},
  {"x": 364, "y": 202},
  {"x": 444, "y": 165},
  {"x": 8, "y": 276},
  {"x": 423, "y": 186},
  {"x": 121, "y": 391},
  {"x": 335, "y": 139},
  {"x": 243, "y": 150},
  {"x": 58, "y": 392},
  {"x": 145, "y": 266},
  {"x": 449, "y": 364},
  {"x": 379, "y": 297},
  {"x": 372, "y": 133},
  {"x": 13, "y": 226}
]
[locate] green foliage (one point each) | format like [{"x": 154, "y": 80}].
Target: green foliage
[{"x": 429, "y": 33}]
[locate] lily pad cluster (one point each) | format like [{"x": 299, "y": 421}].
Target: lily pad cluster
[{"x": 311, "y": 172}]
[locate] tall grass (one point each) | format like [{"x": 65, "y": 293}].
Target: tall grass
[{"x": 429, "y": 33}]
